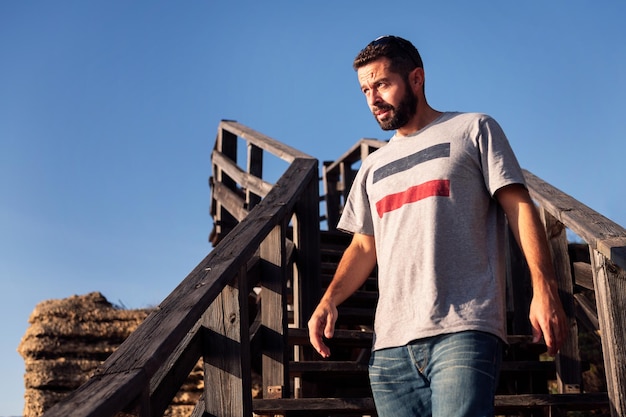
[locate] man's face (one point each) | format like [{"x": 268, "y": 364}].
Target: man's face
[{"x": 392, "y": 103}]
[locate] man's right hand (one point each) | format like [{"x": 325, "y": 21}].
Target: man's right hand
[
  {"x": 354, "y": 267},
  {"x": 322, "y": 324}
]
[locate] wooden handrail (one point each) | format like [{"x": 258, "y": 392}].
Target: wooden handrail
[
  {"x": 602, "y": 234},
  {"x": 355, "y": 153},
  {"x": 607, "y": 244},
  {"x": 337, "y": 177},
  {"x": 273, "y": 146},
  {"x": 144, "y": 373}
]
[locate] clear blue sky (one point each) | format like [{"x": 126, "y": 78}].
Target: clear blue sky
[{"x": 109, "y": 110}]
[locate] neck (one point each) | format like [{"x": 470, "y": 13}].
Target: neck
[{"x": 424, "y": 116}]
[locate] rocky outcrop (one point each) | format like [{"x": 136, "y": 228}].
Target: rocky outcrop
[{"x": 66, "y": 341}]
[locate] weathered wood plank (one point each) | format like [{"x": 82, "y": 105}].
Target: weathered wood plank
[
  {"x": 226, "y": 144},
  {"x": 277, "y": 148},
  {"x": 275, "y": 359},
  {"x": 351, "y": 367},
  {"x": 199, "y": 408},
  {"x": 587, "y": 401},
  {"x": 587, "y": 314},
  {"x": 327, "y": 366},
  {"x": 598, "y": 231},
  {"x": 610, "y": 284},
  {"x": 228, "y": 387},
  {"x": 230, "y": 201},
  {"x": 356, "y": 338},
  {"x": 354, "y": 154},
  {"x": 583, "y": 275},
  {"x": 103, "y": 395},
  {"x": 247, "y": 180},
  {"x": 306, "y": 238},
  {"x": 175, "y": 371},
  {"x": 315, "y": 406},
  {"x": 514, "y": 403},
  {"x": 614, "y": 249},
  {"x": 569, "y": 374},
  {"x": 347, "y": 174},
  {"x": 300, "y": 336},
  {"x": 255, "y": 168},
  {"x": 332, "y": 196}
]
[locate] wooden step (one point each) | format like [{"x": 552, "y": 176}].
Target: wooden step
[
  {"x": 569, "y": 402},
  {"x": 342, "y": 367},
  {"x": 503, "y": 404},
  {"x": 362, "y": 299},
  {"x": 548, "y": 367},
  {"x": 350, "y": 338},
  {"x": 355, "y": 316},
  {"x": 370, "y": 285},
  {"x": 335, "y": 237},
  {"x": 332, "y": 251},
  {"x": 314, "y": 406},
  {"x": 335, "y": 367},
  {"x": 300, "y": 336}
]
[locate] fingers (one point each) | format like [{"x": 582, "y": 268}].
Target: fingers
[
  {"x": 315, "y": 336},
  {"x": 553, "y": 330},
  {"x": 321, "y": 325},
  {"x": 557, "y": 335},
  {"x": 558, "y": 331},
  {"x": 551, "y": 341},
  {"x": 548, "y": 319},
  {"x": 537, "y": 333}
]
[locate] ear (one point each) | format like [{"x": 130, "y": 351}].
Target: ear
[{"x": 417, "y": 79}]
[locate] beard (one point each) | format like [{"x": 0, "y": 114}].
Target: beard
[{"x": 400, "y": 115}]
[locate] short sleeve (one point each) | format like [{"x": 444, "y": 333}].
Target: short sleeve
[
  {"x": 499, "y": 163},
  {"x": 357, "y": 215}
]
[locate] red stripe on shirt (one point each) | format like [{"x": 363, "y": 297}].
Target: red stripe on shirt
[{"x": 435, "y": 188}]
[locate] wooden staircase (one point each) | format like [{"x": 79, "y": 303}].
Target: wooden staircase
[
  {"x": 269, "y": 240},
  {"x": 339, "y": 386}
]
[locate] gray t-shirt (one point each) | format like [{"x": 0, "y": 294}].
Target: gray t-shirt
[{"x": 428, "y": 201}]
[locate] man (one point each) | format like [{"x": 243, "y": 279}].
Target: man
[{"x": 429, "y": 209}]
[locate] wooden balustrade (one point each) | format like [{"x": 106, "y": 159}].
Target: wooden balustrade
[
  {"x": 607, "y": 246},
  {"x": 206, "y": 315}
]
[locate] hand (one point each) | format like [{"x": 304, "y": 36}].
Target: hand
[
  {"x": 322, "y": 323},
  {"x": 548, "y": 319}
]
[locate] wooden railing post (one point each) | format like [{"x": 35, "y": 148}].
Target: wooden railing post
[
  {"x": 226, "y": 144},
  {"x": 275, "y": 359},
  {"x": 255, "y": 167},
  {"x": 347, "y": 178},
  {"x": 227, "y": 352},
  {"x": 338, "y": 176},
  {"x": 569, "y": 373},
  {"x": 610, "y": 286},
  {"x": 365, "y": 151},
  {"x": 306, "y": 236},
  {"x": 330, "y": 180}
]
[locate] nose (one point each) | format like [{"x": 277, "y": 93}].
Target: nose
[{"x": 373, "y": 97}]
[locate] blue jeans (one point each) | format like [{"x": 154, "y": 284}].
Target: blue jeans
[{"x": 450, "y": 375}]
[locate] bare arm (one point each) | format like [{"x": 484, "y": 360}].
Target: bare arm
[
  {"x": 355, "y": 266},
  {"x": 546, "y": 313}
]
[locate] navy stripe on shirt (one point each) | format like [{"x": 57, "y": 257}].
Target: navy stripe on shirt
[{"x": 441, "y": 150}]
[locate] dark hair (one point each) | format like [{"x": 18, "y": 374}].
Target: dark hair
[{"x": 403, "y": 55}]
